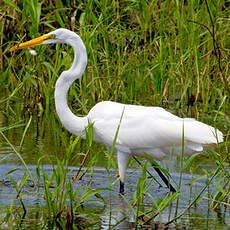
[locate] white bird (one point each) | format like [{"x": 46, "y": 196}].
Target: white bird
[{"x": 143, "y": 129}]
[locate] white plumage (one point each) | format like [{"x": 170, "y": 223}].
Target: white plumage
[
  {"x": 143, "y": 129},
  {"x": 147, "y": 128}
]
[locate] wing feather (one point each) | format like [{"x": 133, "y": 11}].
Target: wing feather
[{"x": 148, "y": 127}]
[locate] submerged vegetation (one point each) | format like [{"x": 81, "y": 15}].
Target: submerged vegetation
[{"x": 173, "y": 54}]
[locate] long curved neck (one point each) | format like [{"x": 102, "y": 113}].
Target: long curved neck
[{"x": 70, "y": 121}]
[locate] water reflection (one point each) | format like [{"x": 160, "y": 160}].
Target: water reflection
[
  {"x": 117, "y": 213},
  {"x": 120, "y": 217}
]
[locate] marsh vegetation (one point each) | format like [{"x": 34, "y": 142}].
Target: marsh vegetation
[{"x": 173, "y": 54}]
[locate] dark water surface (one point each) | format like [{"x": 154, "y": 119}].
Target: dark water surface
[{"x": 199, "y": 216}]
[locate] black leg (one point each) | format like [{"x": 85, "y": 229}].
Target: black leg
[
  {"x": 162, "y": 176},
  {"x": 122, "y": 188}
]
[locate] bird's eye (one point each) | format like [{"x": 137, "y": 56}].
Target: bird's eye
[{"x": 51, "y": 37}]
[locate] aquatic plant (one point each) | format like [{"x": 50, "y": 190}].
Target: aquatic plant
[{"x": 173, "y": 54}]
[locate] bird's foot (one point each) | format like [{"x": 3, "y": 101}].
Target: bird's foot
[{"x": 122, "y": 188}]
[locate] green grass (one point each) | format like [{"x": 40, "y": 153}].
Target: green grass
[{"x": 173, "y": 54}]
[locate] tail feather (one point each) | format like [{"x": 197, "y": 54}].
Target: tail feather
[{"x": 198, "y": 132}]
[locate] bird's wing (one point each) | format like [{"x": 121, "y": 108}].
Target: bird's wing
[{"x": 147, "y": 127}]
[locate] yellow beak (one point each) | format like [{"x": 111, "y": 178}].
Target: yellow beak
[{"x": 31, "y": 43}]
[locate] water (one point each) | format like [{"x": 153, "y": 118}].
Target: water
[
  {"x": 47, "y": 138},
  {"x": 199, "y": 216}
]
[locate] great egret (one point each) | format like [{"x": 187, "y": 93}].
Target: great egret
[{"x": 142, "y": 129}]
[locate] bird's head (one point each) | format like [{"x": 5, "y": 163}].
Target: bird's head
[{"x": 57, "y": 36}]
